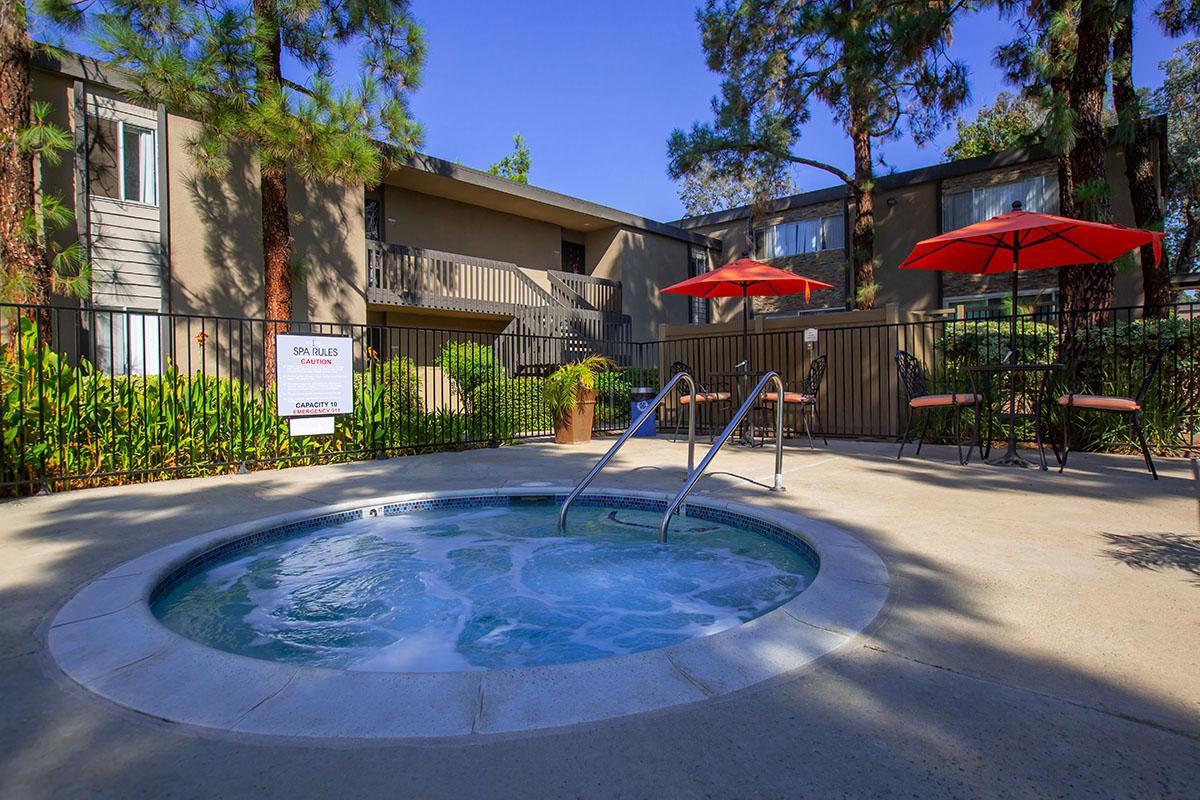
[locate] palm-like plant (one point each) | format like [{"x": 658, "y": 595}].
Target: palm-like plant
[{"x": 563, "y": 388}]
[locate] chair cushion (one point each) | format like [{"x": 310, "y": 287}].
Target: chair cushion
[
  {"x": 944, "y": 400},
  {"x": 788, "y": 397},
  {"x": 1100, "y": 402},
  {"x": 705, "y": 397}
]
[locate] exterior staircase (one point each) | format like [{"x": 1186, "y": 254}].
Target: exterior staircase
[{"x": 566, "y": 317}]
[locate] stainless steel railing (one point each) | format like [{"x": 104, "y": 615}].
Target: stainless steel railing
[
  {"x": 694, "y": 475},
  {"x": 612, "y": 451}
]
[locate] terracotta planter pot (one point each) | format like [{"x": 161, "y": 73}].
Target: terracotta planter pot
[{"x": 576, "y": 427}]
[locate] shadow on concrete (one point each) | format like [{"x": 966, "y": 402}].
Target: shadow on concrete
[{"x": 1156, "y": 551}]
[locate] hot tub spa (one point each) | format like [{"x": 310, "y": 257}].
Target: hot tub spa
[{"x": 460, "y": 613}]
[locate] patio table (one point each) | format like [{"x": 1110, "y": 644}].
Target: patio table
[
  {"x": 740, "y": 380},
  {"x": 1040, "y": 373}
]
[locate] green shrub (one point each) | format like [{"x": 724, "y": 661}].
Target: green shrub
[
  {"x": 395, "y": 385},
  {"x": 469, "y": 365},
  {"x": 505, "y": 408},
  {"x": 614, "y": 394},
  {"x": 1114, "y": 359},
  {"x": 970, "y": 342}
]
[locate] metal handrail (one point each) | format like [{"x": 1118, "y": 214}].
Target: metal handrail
[
  {"x": 612, "y": 451},
  {"x": 695, "y": 474}
]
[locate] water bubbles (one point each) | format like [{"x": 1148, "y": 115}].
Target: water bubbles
[{"x": 483, "y": 588}]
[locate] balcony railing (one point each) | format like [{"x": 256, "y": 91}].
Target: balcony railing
[{"x": 400, "y": 275}]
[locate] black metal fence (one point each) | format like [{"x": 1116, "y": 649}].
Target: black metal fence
[
  {"x": 96, "y": 396},
  {"x": 1106, "y": 352}
]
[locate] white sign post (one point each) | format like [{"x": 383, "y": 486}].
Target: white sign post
[{"x": 315, "y": 381}]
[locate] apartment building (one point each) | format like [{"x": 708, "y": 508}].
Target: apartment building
[{"x": 809, "y": 232}]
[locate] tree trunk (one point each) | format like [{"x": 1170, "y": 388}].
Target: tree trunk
[
  {"x": 1087, "y": 289},
  {"x": 1139, "y": 166},
  {"x": 19, "y": 254},
  {"x": 1187, "y": 247},
  {"x": 276, "y": 233},
  {"x": 862, "y": 234}
]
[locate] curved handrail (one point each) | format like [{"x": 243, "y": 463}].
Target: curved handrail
[
  {"x": 612, "y": 451},
  {"x": 695, "y": 474}
]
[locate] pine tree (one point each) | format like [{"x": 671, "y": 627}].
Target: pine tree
[
  {"x": 1179, "y": 99},
  {"x": 1065, "y": 59},
  {"x": 33, "y": 266},
  {"x": 880, "y": 67},
  {"x": 1136, "y": 137},
  {"x": 227, "y": 65},
  {"x": 18, "y": 252}
]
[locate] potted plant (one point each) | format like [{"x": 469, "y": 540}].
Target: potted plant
[{"x": 570, "y": 394}]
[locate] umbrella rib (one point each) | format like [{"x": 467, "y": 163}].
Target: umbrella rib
[
  {"x": 1060, "y": 235},
  {"x": 938, "y": 249}
]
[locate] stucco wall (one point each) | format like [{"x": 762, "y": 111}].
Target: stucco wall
[
  {"x": 899, "y": 226},
  {"x": 216, "y": 240},
  {"x": 644, "y": 263},
  {"x": 423, "y": 220}
]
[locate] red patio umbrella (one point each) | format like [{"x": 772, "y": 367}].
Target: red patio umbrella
[
  {"x": 1021, "y": 240},
  {"x": 747, "y": 278}
]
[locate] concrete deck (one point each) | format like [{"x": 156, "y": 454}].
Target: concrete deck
[{"x": 1041, "y": 638}]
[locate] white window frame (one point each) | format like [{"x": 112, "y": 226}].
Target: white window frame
[
  {"x": 114, "y": 362},
  {"x": 94, "y": 113}
]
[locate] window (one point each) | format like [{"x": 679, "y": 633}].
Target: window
[
  {"x": 800, "y": 236},
  {"x": 127, "y": 342},
  {"x": 975, "y": 205},
  {"x": 573, "y": 257},
  {"x": 697, "y": 306},
  {"x": 122, "y": 162},
  {"x": 371, "y": 213}
]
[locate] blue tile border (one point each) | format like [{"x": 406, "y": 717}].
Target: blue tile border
[{"x": 196, "y": 564}]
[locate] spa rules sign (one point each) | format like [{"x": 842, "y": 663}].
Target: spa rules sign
[{"x": 315, "y": 376}]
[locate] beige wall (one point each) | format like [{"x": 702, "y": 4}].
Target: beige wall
[
  {"x": 216, "y": 240},
  {"x": 912, "y": 218},
  {"x": 643, "y": 263},
  {"x": 436, "y": 223}
]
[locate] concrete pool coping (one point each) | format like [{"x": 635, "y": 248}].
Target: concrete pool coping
[{"x": 107, "y": 640}]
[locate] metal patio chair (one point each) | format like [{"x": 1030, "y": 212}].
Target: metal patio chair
[
  {"x": 912, "y": 375},
  {"x": 705, "y": 399},
  {"x": 805, "y": 396},
  {"x": 1113, "y": 405}
]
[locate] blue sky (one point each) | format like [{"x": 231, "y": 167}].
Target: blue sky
[{"x": 595, "y": 88}]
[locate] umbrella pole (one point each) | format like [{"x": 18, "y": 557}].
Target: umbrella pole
[
  {"x": 1012, "y": 326},
  {"x": 743, "y": 380},
  {"x": 1010, "y": 456}
]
